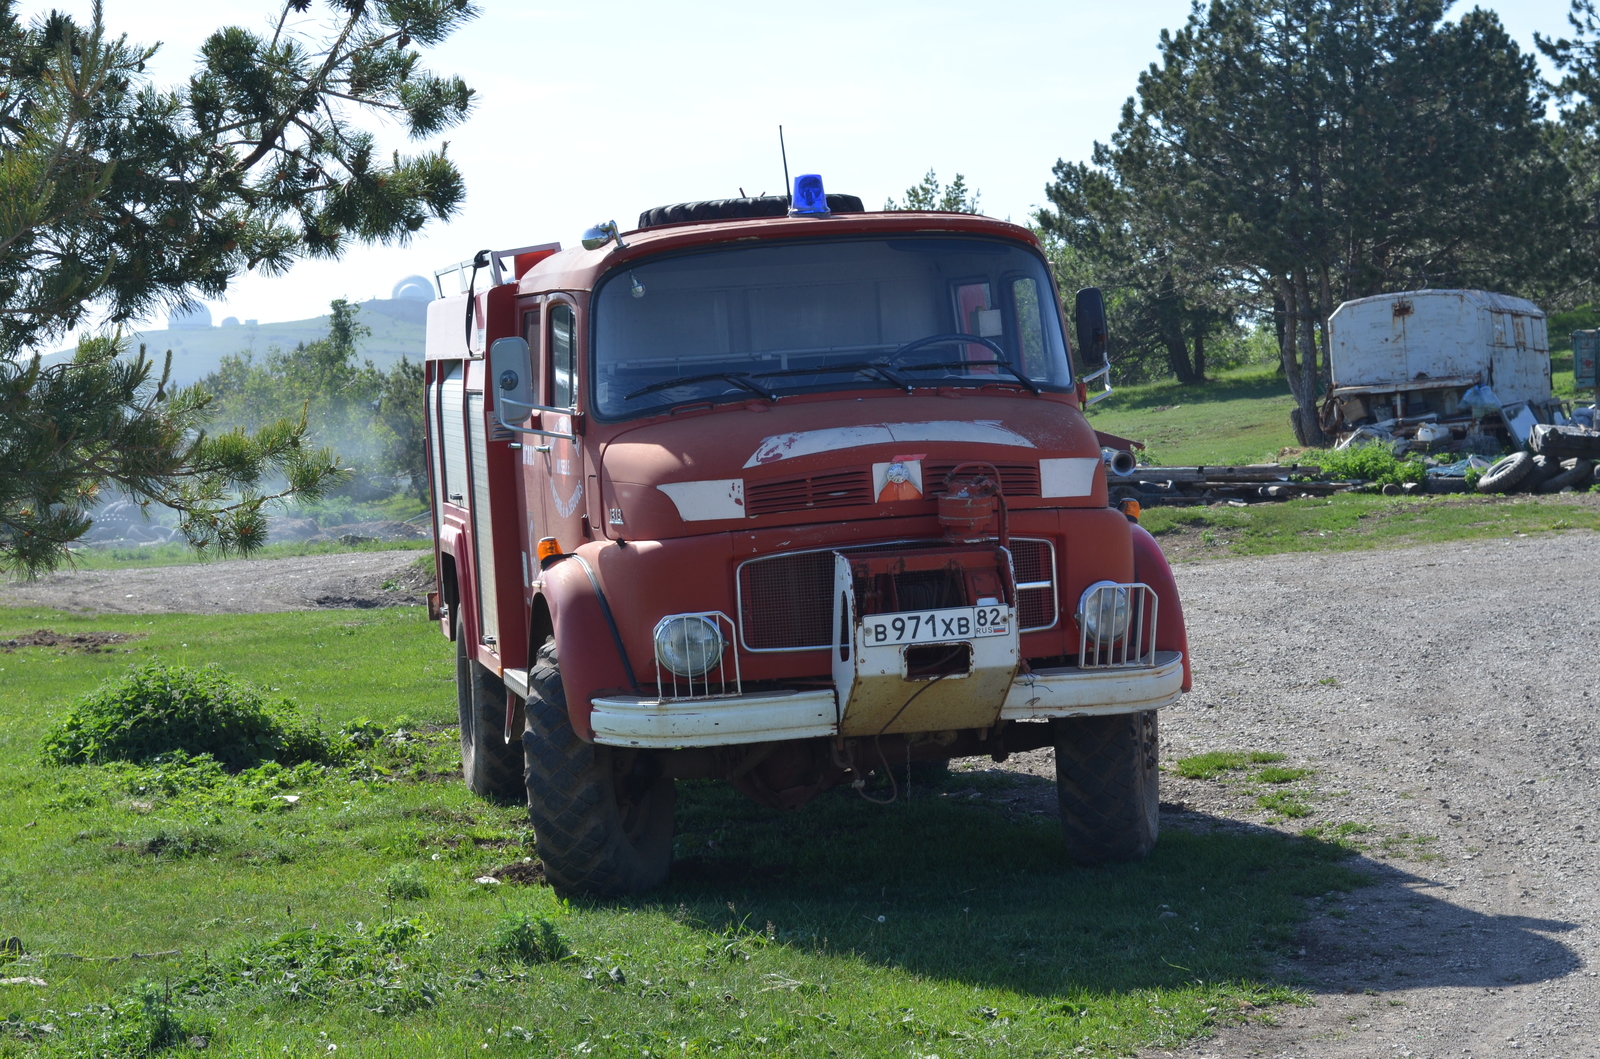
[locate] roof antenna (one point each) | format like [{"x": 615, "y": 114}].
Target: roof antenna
[{"x": 788, "y": 191}]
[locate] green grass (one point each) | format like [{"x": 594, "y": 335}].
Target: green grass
[
  {"x": 1351, "y": 521},
  {"x": 1240, "y": 417},
  {"x": 1284, "y": 803},
  {"x": 1281, "y": 775},
  {"x": 350, "y": 916},
  {"x": 183, "y": 555},
  {"x": 1214, "y": 763}
]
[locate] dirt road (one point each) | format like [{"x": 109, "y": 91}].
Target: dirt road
[
  {"x": 236, "y": 586},
  {"x": 1445, "y": 697}
]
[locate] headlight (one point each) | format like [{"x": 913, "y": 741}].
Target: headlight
[
  {"x": 689, "y": 646},
  {"x": 1103, "y": 612}
]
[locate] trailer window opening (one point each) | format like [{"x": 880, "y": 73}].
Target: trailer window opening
[{"x": 773, "y": 311}]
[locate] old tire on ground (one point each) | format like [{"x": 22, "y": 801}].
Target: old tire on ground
[
  {"x": 1108, "y": 785},
  {"x": 602, "y": 816},
  {"x": 1580, "y": 474},
  {"x": 1506, "y": 474},
  {"x": 1544, "y": 469},
  {"x": 491, "y": 766}
]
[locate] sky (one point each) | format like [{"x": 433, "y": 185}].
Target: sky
[{"x": 597, "y": 110}]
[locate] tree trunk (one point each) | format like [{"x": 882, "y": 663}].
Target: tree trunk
[
  {"x": 1200, "y": 353},
  {"x": 1169, "y": 322},
  {"x": 1299, "y": 354}
]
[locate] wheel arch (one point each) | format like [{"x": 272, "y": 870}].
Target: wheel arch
[{"x": 1150, "y": 567}]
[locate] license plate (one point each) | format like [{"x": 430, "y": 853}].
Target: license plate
[{"x": 929, "y": 626}]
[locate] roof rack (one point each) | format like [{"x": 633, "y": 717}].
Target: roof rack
[{"x": 498, "y": 267}]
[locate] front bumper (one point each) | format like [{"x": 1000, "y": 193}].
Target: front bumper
[{"x": 761, "y": 717}]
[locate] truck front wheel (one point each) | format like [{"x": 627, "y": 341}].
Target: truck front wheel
[
  {"x": 602, "y": 816},
  {"x": 492, "y": 767},
  {"x": 1108, "y": 785}
]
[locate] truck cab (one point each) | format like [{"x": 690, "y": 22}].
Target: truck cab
[{"x": 785, "y": 498}]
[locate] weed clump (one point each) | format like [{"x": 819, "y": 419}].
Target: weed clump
[
  {"x": 161, "y": 709},
  {"x": 1372, "y": 463},
  {"x": 1285, "y": 804},
  {"x": 522, "y": 939},
  {"x": 1210, "y": 765},
  {"x": 404, "y": 882}
]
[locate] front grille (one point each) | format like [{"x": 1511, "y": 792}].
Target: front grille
[
  {"x": 785, "y": 601},
  {"x": 1035, "y": 564},
  {"x": 1016, "y": 479},
  {"x": 834, "y": 489}
]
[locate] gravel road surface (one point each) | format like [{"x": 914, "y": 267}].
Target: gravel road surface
[
  {"x": 234, "y": 586},
  {"x": 1445, "y": 696}
]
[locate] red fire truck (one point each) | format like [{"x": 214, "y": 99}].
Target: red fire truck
[{"x": 787, "y": 493}]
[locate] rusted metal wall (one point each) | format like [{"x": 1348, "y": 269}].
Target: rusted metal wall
[{"x": 1394, "y": 339}]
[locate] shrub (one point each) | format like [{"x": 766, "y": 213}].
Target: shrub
[
  {"x": 1372, "y": 463},
  {"x": 405, "y": 883},
  {"x": 522, "y": 938},
  {"x": 161, "y": 709}
]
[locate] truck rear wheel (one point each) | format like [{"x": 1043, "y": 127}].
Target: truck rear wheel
[
  {"x": 602, "y": 816},
  {"x": 492, "y": 767},
  {"x": 1108, "y": 785}
]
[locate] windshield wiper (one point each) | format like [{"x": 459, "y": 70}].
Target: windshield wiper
[
  {"x": 740, "y": 379},
  {"x": 1032, "y": 386},
  {"x": 880, "y": 370},
  {"x": 955, "y": 337}
]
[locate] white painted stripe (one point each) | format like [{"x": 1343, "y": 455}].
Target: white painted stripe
[
  {"x": 830, "y": 439},
  {"x": 708, "y": 500},
  {"x": 1073, "y": 476}
]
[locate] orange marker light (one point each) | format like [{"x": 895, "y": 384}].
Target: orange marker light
[
  {"x": 549, "y": 548},
  {"x": 1129, "y": 507}
]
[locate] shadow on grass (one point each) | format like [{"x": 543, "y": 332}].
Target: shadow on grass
[{"x": 956, "y": 889}]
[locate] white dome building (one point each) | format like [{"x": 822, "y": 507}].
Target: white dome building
[{"x": 414, "y": 289}]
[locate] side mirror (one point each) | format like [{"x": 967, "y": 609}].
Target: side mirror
[
  {"x": 601, "y": 234},
  {"x": 1091, "y": 313},
  {"x": 511, "y": 377},
  {"x": 1093, "y": 347}
]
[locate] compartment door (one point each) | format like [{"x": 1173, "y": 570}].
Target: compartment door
[{"x": 482, "y": 529}]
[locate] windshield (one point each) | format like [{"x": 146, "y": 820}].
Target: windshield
[{"x": 788, "y": 318}]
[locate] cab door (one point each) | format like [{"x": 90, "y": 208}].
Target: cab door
[
  {"x": 561, "y": 460},
  {"x": 534, "y": 490}
]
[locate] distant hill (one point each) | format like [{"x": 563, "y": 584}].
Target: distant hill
[{"x": 398, "y": 326}]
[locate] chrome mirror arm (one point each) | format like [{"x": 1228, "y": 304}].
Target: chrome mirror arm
[
  {"x": 1102, "y": 395},
  {"x": 530, "y": 410}
]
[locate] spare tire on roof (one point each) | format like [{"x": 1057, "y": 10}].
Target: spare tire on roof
[{"x": 737, "y": 209}]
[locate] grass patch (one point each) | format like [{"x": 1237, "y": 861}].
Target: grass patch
[
  {"x": 1284, "y": 803},
  {"x": 1212, "y": 764},
  {"x": 1278, "y": 774},
  {"x": 351, "y": 915},
  {"x": 1351, "y": 521},
  {"x": 89, "y": 558},
  {"x": 1241, "y": 416}
]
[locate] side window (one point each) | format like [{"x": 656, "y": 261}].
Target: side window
[
  {"x": 1030, "y": 327},
  {"x": 563, "y": 366}
]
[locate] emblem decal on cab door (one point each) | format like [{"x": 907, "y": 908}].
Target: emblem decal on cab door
[{"x": 899, "y": 479}]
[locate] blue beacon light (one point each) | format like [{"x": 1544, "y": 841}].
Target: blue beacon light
[{"x": 809, "y": 198}]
